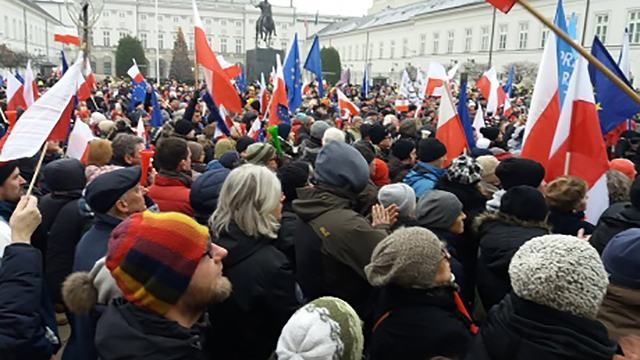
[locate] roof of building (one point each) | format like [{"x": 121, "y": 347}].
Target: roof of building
[
  {"x": 36, "y": 8},
  {"x": 395, "y": 15}
]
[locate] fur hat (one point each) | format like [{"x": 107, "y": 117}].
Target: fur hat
[
  {"x": 464, "y": 170},
  {"x": 82, "y": 290},
  {"x": 401, "y": 195},
  {"x": 514, "y": 171},
  {"x": 326, "y": 328},
  {"x": 409, "y": 257},
  {"x": 438, "y": 209},
  {"x": 561, "y": 272},
  {"x": 525, "y": 203}
]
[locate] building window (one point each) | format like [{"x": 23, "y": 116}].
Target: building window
[
  {"x": 405, "y": 47},
  {"x": 238, "y": 46},
  {"x": 160, "y": 41},
  {"x": 238, "y": 23},
  {"x": 502, "y": 36},
  {"x": 602, "y": 27},
  {"x": 484, "y": 38},
  {"x": 370, "y": 52},
  {"x": 349, "y": 52},
  {"x": 523, "y": 35},
  {"x": 357, "y": 52},
  {"x": 634, "y": 27},
  {"x": 106, "y": 38},
  {"x": 208, "y": 21},
  {"x": 107, "y": 67},
  {"x": 223, "y": 22},
  {"x": 468, "y": 37},
  {"x": 143, "y": 17},
  {"x": 392, "y": 49},
  {"x": 143, "y": 39},
  {"x": 436, "y": 43},
  {"x": 176, "y": 19},
  {"x": 450, "y": 39},
  {"x": 545, "y": 36},
  {"x": 223, "y": 45},
  {"x": 423, "y": 44},
  {"x": 381, "y": 51},
  {"x": 191, "y": 42},
  {"x": 121, "y": 14},
  {"x": 122, "y": 34}
]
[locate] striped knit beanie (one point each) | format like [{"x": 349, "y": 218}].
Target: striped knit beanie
[{"x": 152, "y": 257}]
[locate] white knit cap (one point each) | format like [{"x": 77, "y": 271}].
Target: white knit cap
[
  {"x": 561, "y": 272},
  {"x": 401, "y": 195}
]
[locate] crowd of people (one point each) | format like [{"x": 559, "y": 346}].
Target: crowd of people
[{"x": 324, "y": 237}]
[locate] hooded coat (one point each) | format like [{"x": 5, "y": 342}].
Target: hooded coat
[
  {"x": 500, "y": 236},
  {"x": 523, "y": 330},
  {"x": 423, "y": 177},
  {"x": 616, "y": 219}
]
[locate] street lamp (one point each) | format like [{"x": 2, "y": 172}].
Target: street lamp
[{"x": 84, "y": 14}]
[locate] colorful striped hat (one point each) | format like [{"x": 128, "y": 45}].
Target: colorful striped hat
[{"x": 152, "y": 257}]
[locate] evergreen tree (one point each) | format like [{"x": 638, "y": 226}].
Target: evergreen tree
[
  {"x": 130, "y": 48},
  {"x": 181, "y": 64},
  {"x": 331, "y": 67}
]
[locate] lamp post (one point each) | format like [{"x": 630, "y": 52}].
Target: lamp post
[{"x": 84, "y": 14}]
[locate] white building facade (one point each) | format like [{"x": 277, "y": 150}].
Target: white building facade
[
  {"x": 229, "y": 24},
  {"x": 449, "y": 31}
]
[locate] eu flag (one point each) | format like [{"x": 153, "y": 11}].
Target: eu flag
[
  {"x": 314, "y": 64},
  {"x": 614, "y": 106},
  {"x": 156, "y": 113},
  {"x": 463, "y": 113},
  {"x": 292, "y": 78},
  {"x": 509, "y": 84},
  {"x": 138, "y": 93}
]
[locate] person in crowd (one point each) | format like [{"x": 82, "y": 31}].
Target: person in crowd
[
  {"x": 242, "y": 144},
  {"x": 246, "y": 223},
  {"x": 333, "y": 134},
  {"x": 558, "y": 285},
  {"x": 522, "y": 217},
  {"x": 304, "y": 130},
  {"x": 515, "y": 172},
  {"x": 326, "y": 328},
  {"x": 262, "y": 154},
  {"x": 310, "y": 147},
  {"x": 168, "y": 271},
  {"x": 11, "y": 183},
  {"x": 619, "y": 186},
  {"x": 625, "y": 166},
  {"x": 126, "y": 150},
  {"x": 408, "y": 130},
  {"x": 404, "y": 198},
  {"x": 490, "y": 182},
  {"x": 620, "y": 310},
  {"x": 171, "y": 187},
  {"x": 425, "y": 175},
  {"x": 402, "y": 159},
  {"x": 293, "y": 176},
  {"x": 197, "y": 159},
  {"x": 205, "y": 193},
  {"x": 567, "y": 200},
  {"x": 617, "y": 218},
  {"x": 353, "y": 131},
  {"x": 380, "y": 176},
  {"x": 63, "y": 222},
  {"x": 418, "y": 310},
  {"x": 333, "y": 241},
  {"x": 381, "y": 140},
  {"x": 461, "y": 179},
  {"x": 99, "y": 155},
  {"x": 222, "y": 146},
  {"x": 27, "y": 322}
]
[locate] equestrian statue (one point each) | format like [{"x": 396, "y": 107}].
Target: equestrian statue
[{"x": 265, "y": 26}]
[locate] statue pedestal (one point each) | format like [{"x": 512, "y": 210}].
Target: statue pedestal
[{"x": 261, "y": 61}]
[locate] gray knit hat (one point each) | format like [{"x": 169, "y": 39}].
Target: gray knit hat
[
  {"x": 318, "y": 128},
  {"x": 561, "y": 272},
  {"x": 438, "y": 209},
  {"x": 260, "y": 153},
  {"x": 409, "y": 257},
  {"x": 401, "y": 195}
]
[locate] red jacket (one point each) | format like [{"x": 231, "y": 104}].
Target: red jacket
[{"x": 170, "y": 195}]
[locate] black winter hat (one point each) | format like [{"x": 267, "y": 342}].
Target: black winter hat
[
  {"x": 65, "y": 175},
  {"x": 377, "y": 133},
  {"x": 402, "y": 148},
  {"x": 634, "y": 193},
  {"x": 293, "y": 176},
  {"x": 431, "y": 149},
  {"x": 6, "y": 169},
  {"x": 490, "y": 133},
  {"x": 243, "y": 143},
  {"x": 183, "y": 127},
  {"x": 525, "y": 203},
  {"x": 515, "y": 171}
]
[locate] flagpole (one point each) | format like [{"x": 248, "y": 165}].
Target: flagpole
[
  {"x": 590, "y": 58},
  {"x": 4, "y": 117},
  {"x": 37, "y": 170},
  {"x": 157, "y": 48}
]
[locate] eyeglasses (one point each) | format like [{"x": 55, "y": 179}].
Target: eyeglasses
[
  {"x": 207, "y": 250},
  {"x": 445, "y": 253}
]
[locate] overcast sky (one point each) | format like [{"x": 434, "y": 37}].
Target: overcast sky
[{"x": 330, "y": 7}]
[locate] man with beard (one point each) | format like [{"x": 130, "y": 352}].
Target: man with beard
[
  {"x": 11, "y": 188},
  {"x": 168, "y": 272}
]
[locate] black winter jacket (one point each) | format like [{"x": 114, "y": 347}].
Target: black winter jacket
[
  {"x": 568, "y": 223},
  {"x": 247, "y": 325},
  {"x": 520, "y": 329},
  {"x": 616, "y": 219}
]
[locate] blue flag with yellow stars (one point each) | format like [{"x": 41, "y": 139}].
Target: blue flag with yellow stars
[
  {"x": 138, "y": 93},
  {"x": 614, "y": 106},
  {"x": 292, "y": 76}
]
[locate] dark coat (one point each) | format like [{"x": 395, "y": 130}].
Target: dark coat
[
  {"x": 462, "y": 274},
  {"x": 618, "y": 218},
  {"x": 520, "y": 329},
  {"x": 568, "y": 223},
  {"x": 397, "y": 170},
  {"x": 286, "y": 234},
  {"x": 128, "y": 332},
  {"x": 500, "y": 236},
  {"x": 247, "y": 325},
  {"x": 27, "y": 323},
  {"x": 420, "y": 324}
]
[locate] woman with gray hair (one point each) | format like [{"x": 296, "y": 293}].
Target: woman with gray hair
[{"x": 246, "y": 223}]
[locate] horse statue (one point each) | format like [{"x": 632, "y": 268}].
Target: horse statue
[{"x": 265, "y": 26}]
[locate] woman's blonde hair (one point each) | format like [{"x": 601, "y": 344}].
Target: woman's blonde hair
[
  {"x": 248, "y": 198},
  {"x": 566, "y": 193}
]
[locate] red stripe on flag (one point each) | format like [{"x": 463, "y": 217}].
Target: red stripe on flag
[
  {"x": 451, "y": 134},
  {"x": 503, "y": 5},
  {"x": 66, "y": 39},
  {"x": 540, "y": 138},
  {"x": 61, "y": 130}
]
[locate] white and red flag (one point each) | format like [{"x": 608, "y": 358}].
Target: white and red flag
[
  {"x": 263, "y": 97},
  {"x": 79, "y": 139},
  {"x": 347, "y": 108},
  {"x": 134, "y": 73},
  {"x": 30, "y": 89},
  {"x": 89, "y": 84},
  {"x": 279, "y": 106},
  {"x": 218, "y": 82},
  {"x": 450, "y": 131},
  {"x": 15, "y": 93},
  {"x": 491, "y": 90},
  {"x": 436, "y": 77}
]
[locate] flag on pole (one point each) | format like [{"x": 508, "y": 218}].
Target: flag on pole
[
  {"x": 478, "y": 122},
  {"x": 578, "y": 148},
  {"x": 218, "y": 82},
  {"x": 138, "y": 86},
  {"x": 436, "y": 77},
  {"x": 614, "y": 106},
  {"x": 15, "y": 93},
  {"x": 503, "y": 5},
  {"x": 79, "y": 139},
  {"x": 364, "y": 88},
  {"x": 88, "y": 84},
  {"x": 450, "y": 131},
  {"x": 292, "y": 76},
  {"x": 156, "y": 112},
  {"x": 313, "y": 63},
  {"x": 140, "y": 130},
  {"x": 623, "y": 61},
  {"x": 405, "y": 85},
  {"x": 30, "y": 87},
  {"x": 491, "y": 90},
  {"x": 566, "y": 54},
  {"x": 509, "y": 84},
  {"x": 279, "y": 108},
  {"x": 463, "y": 113},
  {"x": 134, "y": 73},
  {"x": 40, "y": 120},
  {"x": 63, "y": 60},
  {"x": 453, "y": 71},
  {"x": 67, "y": 38},
  {"x": 241, "y": 80},
  {"x": 256, "y": 126},
  {"x": 263, "y": 97},
  {"x": 347, "y": 108}
]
